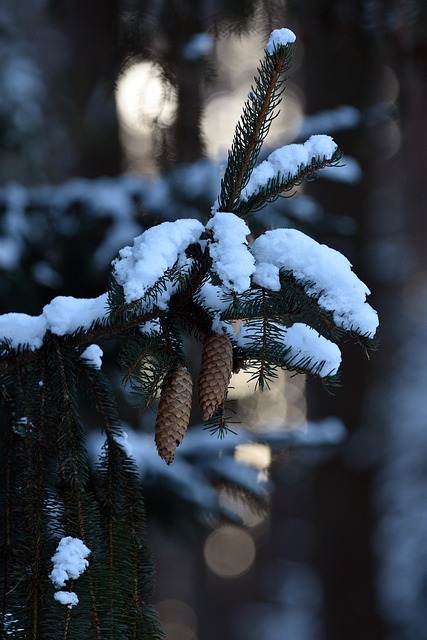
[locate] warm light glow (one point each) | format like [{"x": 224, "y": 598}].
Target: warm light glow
[
  {"x": 253, "y": 454},
  {"x": 229, "y": 551},
  {"x": 178, "y": 619},
  {"x": 237, "y": 59},
  {"x": 176, "y": 631},
  {"x": 280, "y": 407},
  {"x": 251, "y": 515},
  {"x": 144, "y": 96}
]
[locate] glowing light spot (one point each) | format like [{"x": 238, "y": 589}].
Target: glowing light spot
[
  {"x": 177, "y": 631},
  {"x": 179, "y": 620},
  {"x": 144, "y": 96},
  {"x": 251, "y": 516},
  {"x": 229, "y": 551},
  {"x": 253, "y": 454}
]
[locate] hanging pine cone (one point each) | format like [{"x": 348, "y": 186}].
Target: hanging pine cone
[
  {"x": 215, "y": 373},
  {"x": 173, "y": 413}
]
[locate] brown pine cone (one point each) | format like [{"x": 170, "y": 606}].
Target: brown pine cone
[
  {"x": 215, "y": 373},
  {"x": 173, "y": 413}
]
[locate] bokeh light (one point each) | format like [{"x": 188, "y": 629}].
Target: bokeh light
[
  {"x": 179, "y": 621},
  {"x": 229, "y": 551},
  {"x": 251, "y": 515}
]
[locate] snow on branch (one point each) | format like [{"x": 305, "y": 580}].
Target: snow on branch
[
  {"x": 332, "y": 283},
  {"x": 279, "y": 38},
  {"x": 286, "y": 162},
  {"x": 154, "y": 252},
  {"x": 63, "y": 315},
  {"x": 231, "y": 258},
  {"x": 301, "y": 344}
]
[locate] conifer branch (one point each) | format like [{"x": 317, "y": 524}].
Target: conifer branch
[
  {"x": 122, "y": 502},
  {"x": 264, "y": 343},
  {"x": 72, "y": 469},
  {"x": 7, "y": 548},
  {"x": 281, "y": 184},
  {"x": 36, "y": 499},
  {"x": 67, "y": 618},
  {"x": 254, "y": 125}
]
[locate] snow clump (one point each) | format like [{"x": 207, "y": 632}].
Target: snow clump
[
  {"x": 324, "y": 272},
  {"x": 154, "y": 252},
  {"x": 303, "y": 342},
  {"x": 93, "y": 354},
  {"x": 69, "y": 562},
  {"x": 279, "y": 38},
  {"x": 231, "y": 258},
  {"x": 288, "y": 160}
]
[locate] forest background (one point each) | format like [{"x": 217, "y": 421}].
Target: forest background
[{"x": 138, "y": 101}]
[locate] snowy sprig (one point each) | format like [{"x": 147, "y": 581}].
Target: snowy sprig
[
  {"x": 259, "y": 112},
  {"x": 287, "y": 162},
  {"x": 282, "y": 301},
  {"x": 154, "y": 252},
  {"x": 301, "y": 343},
  {"x": 279, "y": 38},
  {"x": 332, "y": 282}
]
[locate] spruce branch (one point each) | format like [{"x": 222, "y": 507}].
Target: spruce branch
[
  {"x": 282, "y": 184},
  {"x": 7, "y": 550},
  {"x": 263, "y": 377},
  {"x": 254, "y": 125},
  {"x": 122, "y": 509},
  {"x": 219, "y": 423}
]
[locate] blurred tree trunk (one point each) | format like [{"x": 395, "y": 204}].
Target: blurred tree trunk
[
  {"x": 341, "y": 66},
  {"x": 87, "y": 84},
  {"x": 354, "y": 53},
  {"x": 397, "y": 400}
]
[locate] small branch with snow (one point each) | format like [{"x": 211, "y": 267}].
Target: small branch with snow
[
  {"x": 258, "y": 114},
  {"x": 286, "y": 168}
]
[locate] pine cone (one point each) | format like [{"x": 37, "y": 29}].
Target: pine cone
[
  {"x": 173, "y": 413},
  {"x": 215, "y": 373}
]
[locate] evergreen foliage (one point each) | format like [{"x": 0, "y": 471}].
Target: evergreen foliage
[{"x": 46, "y": 492}]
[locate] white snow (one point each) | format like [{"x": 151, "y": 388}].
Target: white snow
[
  {"x": 154, "y": 252},
  {"x": 279, "y": 38},
  {"x": 334, "y": 285},
  {"x": 304, "y": 342},
  {"x": 65, "y": 314},
  {"x": 288, "y": 160},
  {"x": 93, "y": 354},
  {"x": 20, "y": 328},
  {"x": 68, "y": 598},
  {"x": 69, "y": 560},
  {"x": 232, "y": 260},
  {"x": 213, "y": 297}
]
